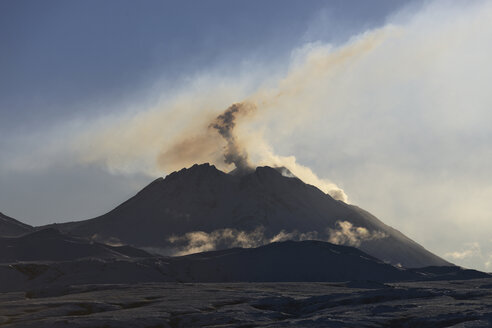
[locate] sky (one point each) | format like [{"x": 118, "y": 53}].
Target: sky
[{"x": 384, "y": 104}]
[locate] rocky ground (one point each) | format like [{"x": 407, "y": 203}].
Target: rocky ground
[{"x": 466, "y": 303}]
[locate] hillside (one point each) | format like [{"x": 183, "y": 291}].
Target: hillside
[
  {"x": 10, "y": 227},
  {"x": 260, "y": 206}
]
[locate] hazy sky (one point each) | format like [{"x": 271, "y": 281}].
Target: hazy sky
[{"x": 388, "y": 100}]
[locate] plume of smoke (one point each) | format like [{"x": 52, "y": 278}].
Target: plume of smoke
[
  {"x": 207, "y": 145},
  {"x": 186, "y": 151},
  {"x": 300, "y": 171},
  {"x": 234, "y": 153},
  {"x": 130, "y": 143},
  {"x": 298, "y": 83},
  {"x": 347, "y": 234}
]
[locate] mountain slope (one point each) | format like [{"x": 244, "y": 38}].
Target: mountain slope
[
  {"x": 289, "y": 261},
  {"x": 286, "y": 261},
  {"x": 10, "y": 227},
  {"x": 276, "y": 262},
  {"x": 205, "y": 199},
  {"x": 51, "y": 245}
]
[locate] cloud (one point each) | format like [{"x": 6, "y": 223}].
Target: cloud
[
  {"x": 488, "y": 263},
  {"x": 180, "y": 133},
  {"x": 300, "y": 171},
  {"x": 472, "y": 253},
  {"x": 200, "y": 241},
  {"x": 347, "y": 234},
  {"x": 471, "y": 250}
]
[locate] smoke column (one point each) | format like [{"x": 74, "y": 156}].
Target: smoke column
[
  {"x": 188, "y": 129},
  {"x": 224, "y": 124}
]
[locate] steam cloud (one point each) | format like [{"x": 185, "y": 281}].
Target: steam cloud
[
  {"x": 347, "y": 234},
  {"x": 200, "y": 241}
]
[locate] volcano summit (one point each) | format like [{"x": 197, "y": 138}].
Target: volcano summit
[{"x": 202, "y": 208}]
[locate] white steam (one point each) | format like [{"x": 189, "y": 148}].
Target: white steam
[
  {"x": 200, "y": 241},
  {"x": 347, "y": 234}
]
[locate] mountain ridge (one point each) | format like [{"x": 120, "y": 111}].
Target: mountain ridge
[
  {"x": 10, "y": 227},
  {"x": 206, "y": 200},
  {"x": 286, "y": 261},
  {"x": 51, "y": 245}
]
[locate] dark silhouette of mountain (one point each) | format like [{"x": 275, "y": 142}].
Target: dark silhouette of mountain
[
  {"x": 10, "y": 227},
  {"x": 286, "y": 261},
  {"x": 289, "y": 261},
  {"x": 51, "y": 245},
  {"x": 202, "y": 198}
]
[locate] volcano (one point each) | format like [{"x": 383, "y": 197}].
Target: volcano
[{"x": 264, "y": 203}]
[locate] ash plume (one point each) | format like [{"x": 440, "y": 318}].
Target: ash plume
[
  {"x": 225, "y": 123},
  {"x": 194, "y": 136}
]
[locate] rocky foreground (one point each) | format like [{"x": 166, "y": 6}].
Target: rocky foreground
[{"x": 466, "y": 303}]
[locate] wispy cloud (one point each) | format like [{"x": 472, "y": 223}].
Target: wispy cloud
[
  {"x": 199, "y": 241},
  {"x": 348, "y": 234},
  {"x": 488, "y": 263},
  {"x": 470, "y": 250}
]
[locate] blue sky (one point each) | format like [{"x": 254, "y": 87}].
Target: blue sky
[
  {"x": 59, "y": 57},
  {"x": 92, "y": 91}
]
